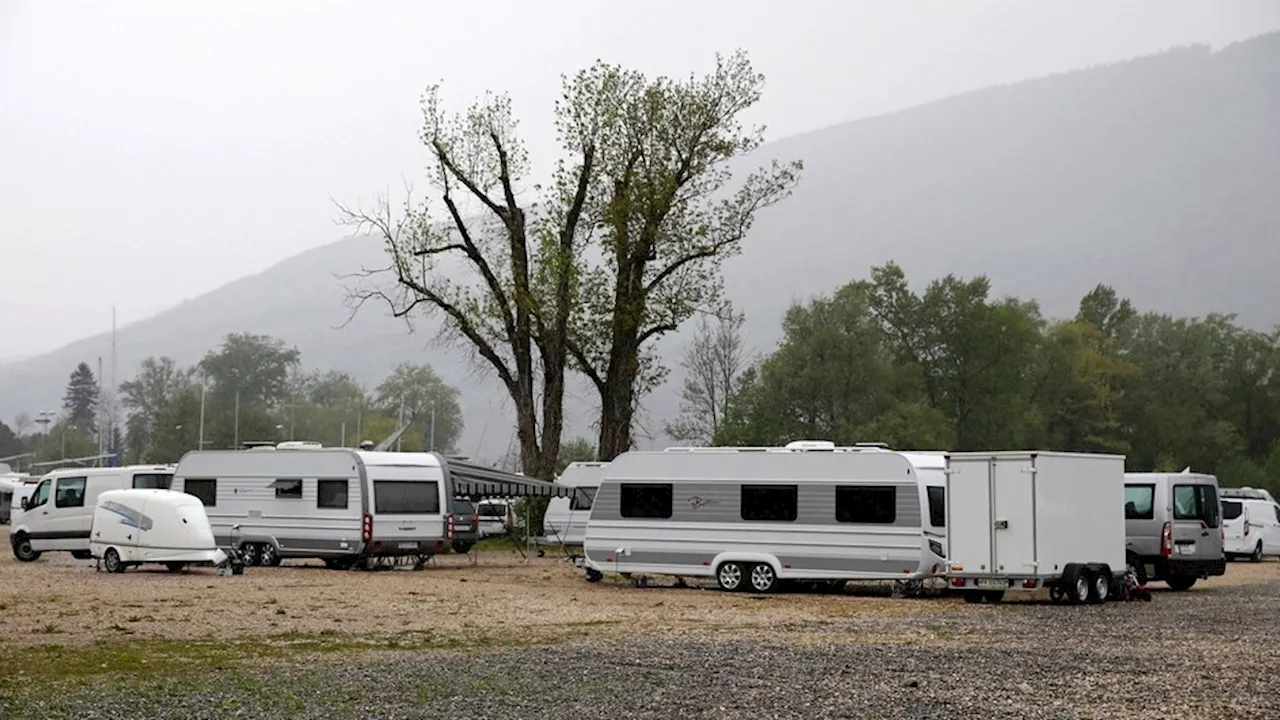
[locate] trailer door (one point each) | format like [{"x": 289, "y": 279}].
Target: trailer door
[
  {"x": 969, "y": 514},
  {"x": 1014, "y": 511}
]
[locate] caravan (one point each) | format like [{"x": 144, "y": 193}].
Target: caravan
[
  {"x": 751, "y": 517},
  {"x": 565, "y": 521}
]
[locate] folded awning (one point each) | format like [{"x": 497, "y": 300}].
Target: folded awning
[{"x": 476, "y": 481}]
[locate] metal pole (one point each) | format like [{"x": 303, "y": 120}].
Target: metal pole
[
  {"x": 433, "y": 427},
  {"x": 343, "y": 443},
  {"x": 200, "y": 438},
  {"x": 236, "y": 442},
  {"x": 400, "y": 421},
  {"x": 293, "y": 414}
]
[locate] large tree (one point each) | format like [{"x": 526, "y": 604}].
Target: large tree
[
  {"x": 247, "y": 381},
  {"x": 144, "y": 397},
  {"x": 81, "y": 399},
  {"x": 666, "y": 214},
  {"x": 425, "y": 400}
]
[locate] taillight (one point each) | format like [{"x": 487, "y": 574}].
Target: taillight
[
  {"x": 366, "y": 528},
  {"x": 1166, "y": 540},
  {"x": 1246, "y": 528},
  {"x": 448, "y": 527}
]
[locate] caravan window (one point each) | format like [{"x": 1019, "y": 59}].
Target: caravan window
[
  {"x": 1139, "y": 502},
  {"x": 582, "y": 499},
  {"x": 769, "y": 502},
  {"x": 866, "y": 504},
  {"x": 206, "y": 490},
  {"x": 938, "y": 506},
  {"x": 152, "y": 481},
  {"x": 331, "y": 494},
  {"x": 646, "y": 500},
  {"x": 288, "y": 488},
  {"x": 70, "y": 492},
  {"x": 402, "y": 497}
]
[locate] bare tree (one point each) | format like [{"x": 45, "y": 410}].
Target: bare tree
[{"x": 714, "y": 360}]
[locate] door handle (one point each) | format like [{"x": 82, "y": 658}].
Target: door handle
[{"x": 1204, "y": 534}]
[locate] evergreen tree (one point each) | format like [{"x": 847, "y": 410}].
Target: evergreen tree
[{"x": 81, "y": 400}]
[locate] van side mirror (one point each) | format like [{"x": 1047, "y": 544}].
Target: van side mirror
[{"x": 26, "y": 504}]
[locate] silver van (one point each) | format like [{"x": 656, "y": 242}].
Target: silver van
[{"x": 1173, "y": 527}]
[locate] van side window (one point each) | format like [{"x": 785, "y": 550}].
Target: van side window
[
  {"x": 938, "y": 506},
  {"x": 769, "y": 502},
  {"x": 41, "y": 495},
  {"x": 206, "y": 490},
  {"x": 152, "y": 481},
  {"x": 1277, "y": 509},
  {"x": 1139, "y": 502},
  {"x": 582, "y": 499},
  {"x": 1231, "y": 509},
  {"x": 1196, "y": 502},
  {"x": 646, "y": 500},
  {"x": 70, "y": 492},
  {"x": 331, "y": 494},
  {"x": 866, "y": 504},
  {"x": 288, "y": 488}
]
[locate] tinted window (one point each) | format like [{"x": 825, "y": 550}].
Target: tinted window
[
  {"x": 463, "y": 507},
  {"x": 1139, "y": 501},
  {"x": 1231, "y": 509},
  {"x": 41, "y": 495},
  {"x": 492, "y": 510},
  {"x": 938, "y": 506},
  {"x": 769, "y": 502},
  {"x": 70, "y": 493},
  {"x": 645, "y": 500},
  {"x": 288, "y": 488},
  {"x": 206, "y": 490},
  {"x": 1196, "y": 502},
  {"x": 1277, "y": 509},
  {"x": 866, "y": 504},
  {"x": 331, "y": 494},
  {"x": 398, "y": 497},
  {"x": 152, "y": 481},
  {"x": 582, "y": 499}
]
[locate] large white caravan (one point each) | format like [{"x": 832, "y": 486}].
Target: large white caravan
[
  {"x": 1023, "y": 520},
  {"x": 346, "y": 507},
  {"x": 750, "y": 517},
  {"x": 59, "y": 512},
  {"x": 565, "y": 521},
  {"x": 132, "y": 527}
]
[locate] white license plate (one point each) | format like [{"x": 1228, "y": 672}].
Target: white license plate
[
  {"x": 408, "y": 546},
  {"x": 1187, "y": 549},
  {"x": 990, "y": 584}
]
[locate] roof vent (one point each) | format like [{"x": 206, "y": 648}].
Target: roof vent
[{"x": 811, "y": 445}]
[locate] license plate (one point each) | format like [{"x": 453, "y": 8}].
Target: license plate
[
  {"x": 1188, "y": 549},
  {"x": 990, "y": 584},
  {"x": 408, "y": 546}
]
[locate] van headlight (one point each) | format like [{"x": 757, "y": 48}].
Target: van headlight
[{"x": 936, "y": 548}]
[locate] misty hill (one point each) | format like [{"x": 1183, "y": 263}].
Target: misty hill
[{"x": 1156, "y": 176}]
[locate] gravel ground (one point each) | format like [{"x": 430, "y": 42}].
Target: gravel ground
[{"x": 1212, "y": 652}]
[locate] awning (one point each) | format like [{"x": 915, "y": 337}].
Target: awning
[{"x": 476, "y": 481}]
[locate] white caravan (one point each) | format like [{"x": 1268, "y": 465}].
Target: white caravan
[
  {"x": 1027, "y": 520},
  {"x": 751, "y": 517},
  {"x": 132, "y": 527},
  {"x": 565, "y": 521},
  {"x": 1250, "y": 523},
  {"x": 59, "y": 512}
]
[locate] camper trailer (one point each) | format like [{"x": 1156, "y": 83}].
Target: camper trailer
[
  {"x": 59, "y": 512},
  {"x": 349, "y": 508},
  {"x": 1028, "y": 520},
  {"x": 565, "y": 521},
  {"x": 133, "y": 527},
  {"x": 751, "y": 517}
]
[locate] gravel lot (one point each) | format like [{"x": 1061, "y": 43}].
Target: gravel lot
[{"x": 508, "y": 639}]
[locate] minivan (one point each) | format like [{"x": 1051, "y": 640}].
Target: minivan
[
  {"x": 1251, "y": 523},
  {"x": 1173, "y": 527},
  {"x": 59, "y": 513}
]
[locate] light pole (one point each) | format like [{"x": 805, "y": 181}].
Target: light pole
[{"x": 65, "y": 428}]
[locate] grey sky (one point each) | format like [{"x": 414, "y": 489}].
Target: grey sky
[{"x": 152, "y": 151}]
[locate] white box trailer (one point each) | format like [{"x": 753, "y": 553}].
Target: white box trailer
[
  {"x": 1028, "y": 520},
  {"x": 134, "y": 527}
]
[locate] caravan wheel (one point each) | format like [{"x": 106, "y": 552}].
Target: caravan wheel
[
  {"x": 763, "y": 579},
  {"x": 268, "y": 555},
  {"x": 729, "y": 576},
  {"x": 249, "y": 552},
  {"x": 111, "y": 561}
]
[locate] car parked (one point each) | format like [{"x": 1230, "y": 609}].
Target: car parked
[
  {"x": 1250, "y": 524},
  {"x": 466, "y": 526}
]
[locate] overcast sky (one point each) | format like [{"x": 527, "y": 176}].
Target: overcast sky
[{"x": 152, "y": 151}]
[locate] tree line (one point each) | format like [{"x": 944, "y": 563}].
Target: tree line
[
  {"x": 953, "y": 368},
  {"x": 254, "y": 389}
]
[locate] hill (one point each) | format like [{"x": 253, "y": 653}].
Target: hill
[{"x": 1155, "y": 175}]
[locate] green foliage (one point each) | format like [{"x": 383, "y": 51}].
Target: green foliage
[
  {"x": 10, "y": 443},
  {"x": 425, "y": 399},
  {"x": 81, "y": 399},
  {"x": 578, "y": 449}
]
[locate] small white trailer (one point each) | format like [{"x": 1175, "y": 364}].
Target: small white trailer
[{"x": 1025, "y": 520}]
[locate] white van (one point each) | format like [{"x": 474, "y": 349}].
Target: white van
[
  {"x": 60, "y": 511},
  {"x": 132, "y": 527},
  {"x": 495, "y": 516},
  {"x": 1250, "y": 523}
]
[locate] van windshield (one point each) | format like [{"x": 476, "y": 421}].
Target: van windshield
[
  {"x": 404, "y": 497},
  {"x": 1231, "y": 509}
]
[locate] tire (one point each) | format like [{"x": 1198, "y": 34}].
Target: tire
[
  {"x": 1256, "y": 555},
  {"x": 337, "y": 563},
  {"x": 111, "y": 561},
  {"x": 594, "y": 576},
  {"x": 1099, "y": 587},
  {"x": 1180, "y": 582},
  {"x": 1138, "y": 569},
  {"x": 763, "y": 578},
  {"x": 23, "y": 551},
  {"x": 268, "y": 555},
  {"x": 993, "y": 596},
  {"x": 1080, "y": 590},
  {"x": 1057, "y": 594},
  {"x": 249, "y": 553},
  {"x": 462, "y": 547},
  {"x": 974, "y": 596},
  {"x": 729, "y": 576},
  {"x": 175, "y": 567}
]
